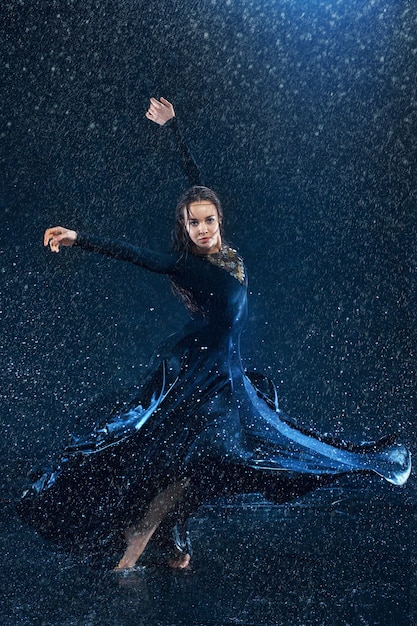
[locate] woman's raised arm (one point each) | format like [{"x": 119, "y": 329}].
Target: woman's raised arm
[
  {"x": 59, "y": 236},
  {"x": 161, "y": 111}
]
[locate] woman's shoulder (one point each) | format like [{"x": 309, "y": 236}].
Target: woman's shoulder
[{"x": 229, "y": 259}]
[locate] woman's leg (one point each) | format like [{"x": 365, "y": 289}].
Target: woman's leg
[{"x": 137, "y": 537}]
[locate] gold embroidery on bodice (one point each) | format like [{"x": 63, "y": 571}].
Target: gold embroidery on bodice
[{"x": 228, "y": 259}]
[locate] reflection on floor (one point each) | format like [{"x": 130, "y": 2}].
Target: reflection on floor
[{"x": 341, "y": 556}]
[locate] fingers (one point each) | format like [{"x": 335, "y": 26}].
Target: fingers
[
  {"x": 161, "y": 103},
  {"x": 56, "y": 236},
  {"x": 159, "y": 111},
  {"x": 150, "y": 115},
  {"x": 152, "y": 112},
  {"x": 50, "y": 233},
  {"x": 155, "y": 107},
  {"x": 168, "y": 107}
]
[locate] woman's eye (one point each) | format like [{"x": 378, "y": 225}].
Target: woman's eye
[{"x": 210, "y": 219}]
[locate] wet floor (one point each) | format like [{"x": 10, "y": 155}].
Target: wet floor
[{"x": 341, "y": 556}]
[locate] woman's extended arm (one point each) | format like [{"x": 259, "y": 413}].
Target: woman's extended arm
[
  {"x": 112, "y": 248},
  {"x": 162, "y": 112}
]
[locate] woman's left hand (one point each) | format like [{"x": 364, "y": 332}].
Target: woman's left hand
[{"x": 160, "y": 111}]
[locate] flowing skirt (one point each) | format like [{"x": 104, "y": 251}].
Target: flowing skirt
[{"x": 196, "y": 415}]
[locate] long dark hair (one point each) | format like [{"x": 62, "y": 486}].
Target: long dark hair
[{"x": 181, "y": 241}]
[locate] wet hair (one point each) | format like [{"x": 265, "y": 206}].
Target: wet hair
[{"x": 181, "y": 241}]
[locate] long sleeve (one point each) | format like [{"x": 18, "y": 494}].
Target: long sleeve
[
  {"x": 187, "y": 161},
  {"x": 162, "y": 263}
]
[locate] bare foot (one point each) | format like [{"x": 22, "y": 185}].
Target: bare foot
[{"x": 180, "y": 561}]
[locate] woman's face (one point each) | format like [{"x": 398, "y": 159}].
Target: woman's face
[{"x": 202, "y": 225}]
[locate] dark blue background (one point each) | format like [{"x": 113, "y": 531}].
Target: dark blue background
[{"x": 301, "y": 115}]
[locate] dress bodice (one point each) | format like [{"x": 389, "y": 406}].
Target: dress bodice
[{"x": 220, "y": 296}]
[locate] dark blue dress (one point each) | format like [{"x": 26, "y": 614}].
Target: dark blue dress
[{"x": 197, "y": 414}]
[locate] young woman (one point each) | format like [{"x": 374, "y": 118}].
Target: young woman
[{"x": 198, "y": 425}]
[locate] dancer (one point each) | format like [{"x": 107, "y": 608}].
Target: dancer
[{"x": 198, "y": 425}]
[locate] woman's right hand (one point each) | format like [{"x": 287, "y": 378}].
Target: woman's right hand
[{"x": 59, "y": 236}]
